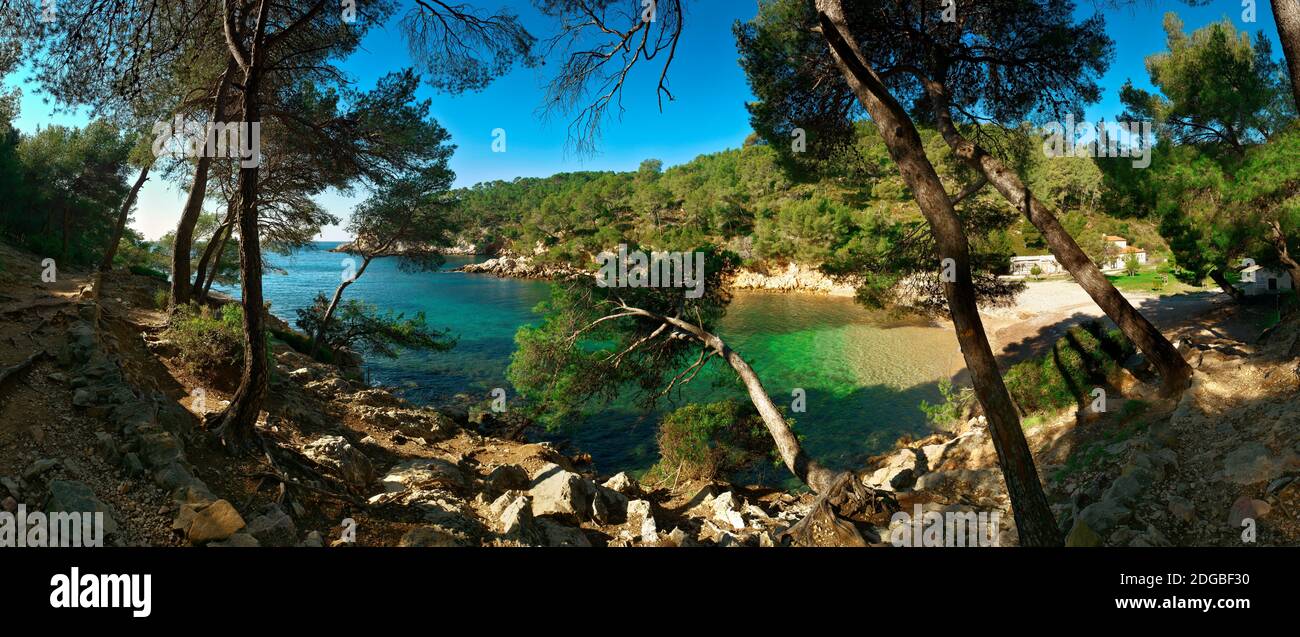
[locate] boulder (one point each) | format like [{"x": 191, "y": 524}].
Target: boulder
[
  {"x": 563, "y": 494},
  {"x": 1105, "y": 515},
  {"x": 560, "y": 535},
  {"x": 507, "y": 477},
  {"x": 726, "y": 510},
  {"x": 515, "y": 520},
  {"x": 1246, "y": 508},
  {"x": 423, "y": 474},
  {"x": 641, "y": 521},
  {"x": 39, "y": 467},
  {"x": 899, "y": 471},
  {"x": 347, "y": 461},
  {"x": 71, "y": 496},
  {"x": 273, "y": 528},
  {"x": 157, "y": 448},
  {"x": 1250, "y": 463},
  {"x": 623, "y": 483},
  {"x": 206, "y": 523}
]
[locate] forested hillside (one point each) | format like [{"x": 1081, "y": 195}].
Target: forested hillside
[{"x": 746, "y": 200}]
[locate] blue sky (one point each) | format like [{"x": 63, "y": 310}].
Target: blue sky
[{"x": 707, "y": 116}]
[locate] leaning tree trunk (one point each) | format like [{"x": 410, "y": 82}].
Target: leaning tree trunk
[
  {"x": 223, "y": 232},
  {"x": 1286, "y": 13},
  {"x": 184, "y": 239},
  {"x": 1033, "y": 516},
  {"x": 211, "y": 276},
  {"x": 1284, "y": 254},
  {"x": 201, "y": 269},
  {"x": 809, "y": 471},
  {"x": 319, "y": 336},
  {"x": 1228, "y": 288},
  {"x": 237, "y": 428},
  {"x": 1174, "y": 371},
  {"x": 111, "y": 251}
]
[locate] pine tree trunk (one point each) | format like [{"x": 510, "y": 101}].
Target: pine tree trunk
[
  {"x": 215, "y": 266},
  {"x": 217, "y": 241},
  {"x": 1284, "y": 254},
  {"x": 319, "y": 336},
  {"x": 1286, "y": 13},
  {"x": 1034, "y": 520},
  {"x": 1174, "y": 370},
  {"x": 184, "y": 238},
  {"x": 111, "y": 251},
  {"x": 1228, "y": 288},
  {"x": 809, "y": 471},
  {"x": 238, "y": 423}
]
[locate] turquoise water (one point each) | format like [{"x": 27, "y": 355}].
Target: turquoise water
[{"x": 863, "y": 380}]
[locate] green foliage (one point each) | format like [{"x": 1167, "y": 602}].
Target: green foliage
[
  {"x": 1086, "y": 357},
  {"x": 362, "y": 327},
  {"x": 1131, "y": 265},
  {"x": 209, "y": 343},
  {"x": 955, "y": 401},
  {"x": 63, "y": 187},
  {"x": 709, "y": 441},
  {"x": 574, "y": 360}
]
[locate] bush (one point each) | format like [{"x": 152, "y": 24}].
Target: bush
[
  {"x": 144, "y": 270},
  {"x": 1086, "y": 357},
  {"x": 710, "y": 440},
  {"x": 954, "y": 403},
  {"x": 209, "y": 343}
]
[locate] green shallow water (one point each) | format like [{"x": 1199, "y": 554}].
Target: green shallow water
[{"x": 863, "y": 380}]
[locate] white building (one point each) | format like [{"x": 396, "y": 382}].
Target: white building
[
  {"x": 1257, "y": 279},
  {"x": 1118, "y": 251},
  {"x": 1047, "y": 264}
]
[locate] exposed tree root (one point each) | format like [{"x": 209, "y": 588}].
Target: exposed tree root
[
  {"x": 18, "y": 368},
  {"x": 832, "y": 519}
]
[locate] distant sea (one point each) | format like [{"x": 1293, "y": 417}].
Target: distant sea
[{"x": 863, "y": 381}]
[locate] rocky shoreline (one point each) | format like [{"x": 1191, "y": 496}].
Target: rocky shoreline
[
  {"x": 120, "y": 431},
  {"x": 792, "y": 277}
]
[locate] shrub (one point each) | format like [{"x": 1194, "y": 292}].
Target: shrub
[
  {"x": 161, "y": 298},
  {"x": 954, "y": 403},
  {"x": 144, "y": 270},
  {"x": 710, "y": 440},
  {"x": 1085, "y": 357},
  {"x": 208, "y": 342}
]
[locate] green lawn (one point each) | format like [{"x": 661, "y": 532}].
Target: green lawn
[{"x": 1149, "y": 279}]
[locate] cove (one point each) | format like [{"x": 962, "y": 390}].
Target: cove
[{"x": 863, "y": 380}]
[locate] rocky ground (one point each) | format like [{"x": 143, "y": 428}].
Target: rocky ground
[
  {"x": 1216, "y": 467},
  {"x": 102, "y": 418}
]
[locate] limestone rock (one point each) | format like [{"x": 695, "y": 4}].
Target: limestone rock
[
  {"x": 641, "y": 520},
  {"x": 70, "y": 496},
  {"x": 1245, "y": 508},
  {"x": 1250, "y": 463},
  {"x": 336, "y": 453},
  {"x": 623, "y": 483},
  {"x": 507, "y": 477},
  {"x": 423, "y": 474},
  {"x": 273, "y": 528},
  {"x": 560, "y": 535},
  {"x": 206, "y": 523},
  {"x": 561, "y": 493}
]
